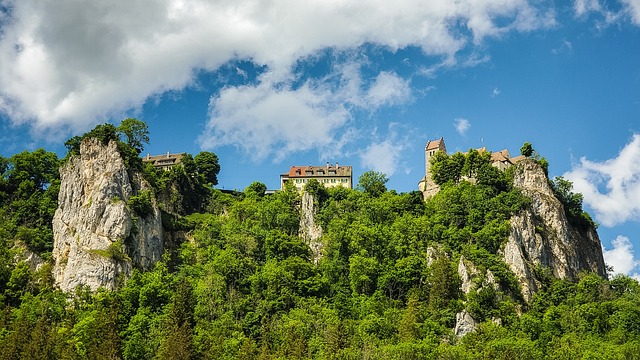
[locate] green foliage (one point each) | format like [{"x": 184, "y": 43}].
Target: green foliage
[
  {"x": 29, "y": 185},
  {"x": 141, "y": 203},
  {"x": 256, "y": 189},
  {"x": 207, "y": 165},
  {"x": 526, "y": 149},
  {"x": 373, "y": 183},
  {"x": 245, "y": 285},
  {"x": 136, "y": 133},
  {"x": 572, "y": 202},
  {"x": 115, "y": 251},
  {"x": 319, "y": 192}
]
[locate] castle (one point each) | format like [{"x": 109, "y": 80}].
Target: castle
[{"x": 501, "y": 160}]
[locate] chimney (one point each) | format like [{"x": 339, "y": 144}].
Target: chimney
[
  {"x": 336, "y": 165},
  {"x": 168, "y": 153},
  {"x": 327, "y": 166}
]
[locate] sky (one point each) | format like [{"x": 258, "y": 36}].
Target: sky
[{"x": 267, "y": 84}]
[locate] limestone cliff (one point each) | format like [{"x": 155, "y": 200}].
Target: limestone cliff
[
  {"x": 97, "y": 238},
  {"x": 310, "y": 231},
  {"x": 542, "y": 235}
]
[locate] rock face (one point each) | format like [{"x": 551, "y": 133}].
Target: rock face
[
  {"x": 465, "y": 324},
  {"x": 310, "y": 231},
  {"x": 542, "y": 235},
  {"x": 97, "y": 238}
]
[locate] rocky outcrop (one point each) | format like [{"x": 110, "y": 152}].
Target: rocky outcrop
[
  {"x": 310, "y": 231},
  {"x": 465, "y": 324},
  {"x": 32, "y": 259},
  {"x": 541, "y": 235},
  {"x": 97, "y": 237}
]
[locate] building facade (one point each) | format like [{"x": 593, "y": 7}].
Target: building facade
[
  {"x": 328, "y": 175},
  {"x": 165, "y": 161}
]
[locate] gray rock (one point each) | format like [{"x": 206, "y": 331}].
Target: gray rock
[
  {"x": 542, "y": 235},
  {"x": 310, "y": 231},
  {"x": 93, "y": 221},
  {"x": 465, "y": 324}
]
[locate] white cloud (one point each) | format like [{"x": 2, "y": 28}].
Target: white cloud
[
  {"x": 495, "y": 92},
  {"x": 461, "y": 125},
  {"x": 582, "y": 7},
  {"x": 273, "y": 119},
  {"x": 384, "y": 153},
  {"x": 612, "y": 187},
  {"x": 622, "y": 257},
  {"x": 632, "y": 7},
  {"x": 382, "y": 157},
  {"x": 388, "y": 89},
  {"x": 62, "y": 64}
]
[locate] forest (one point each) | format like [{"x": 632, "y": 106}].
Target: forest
[{"x": 245, "y": 285}]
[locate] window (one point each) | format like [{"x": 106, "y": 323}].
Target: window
[
  {"x": 332, "y": 172},
  {"x": 308, "y": 172}
]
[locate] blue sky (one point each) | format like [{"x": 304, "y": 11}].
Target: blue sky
[{"x": 270, "y": 84}]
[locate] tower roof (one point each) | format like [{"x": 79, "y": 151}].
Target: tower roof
[{"x": 434, "y": 144}]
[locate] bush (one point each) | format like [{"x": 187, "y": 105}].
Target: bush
[{"x": 141, "y": 204}]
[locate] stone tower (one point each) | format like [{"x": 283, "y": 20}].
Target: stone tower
[{"x": 427, "y": 185}]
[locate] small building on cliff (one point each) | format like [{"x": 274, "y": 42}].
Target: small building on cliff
[
  {"x": 328, "y": 175},
  {"x": 164, "y": 161}
]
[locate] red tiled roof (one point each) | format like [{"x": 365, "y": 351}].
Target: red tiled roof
[
  {"x": 434, "y": 144},
  {"x": 301, "y": 171}
]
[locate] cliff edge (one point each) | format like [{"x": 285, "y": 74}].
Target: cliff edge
[
  {"x": 541, "y": 235},
  {"x": 97, "y": 237}
]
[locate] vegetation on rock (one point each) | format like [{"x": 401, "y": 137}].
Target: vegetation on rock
[{"x": 245, "y": 286}]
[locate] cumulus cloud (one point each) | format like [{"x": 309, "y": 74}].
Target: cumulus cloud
[
  {"x": 274, "y": 118},
  {"x": 632, "y": 7},
  {"x": 622, "y": 257},
  {"x": 384, "y": 153},
  {"x": 611, "y": 187},
  {"x": 461, "y": 125},
  {"x": 65, "y": 64},
  {"x": 388, "y": 89},
  {"x": 382, "y": 157}
]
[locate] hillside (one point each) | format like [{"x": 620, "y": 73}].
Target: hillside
[{"x": 496, "y": 265}]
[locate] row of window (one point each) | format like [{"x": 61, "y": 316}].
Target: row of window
[
  {"x": 323, "y": 181},
  {"x": 318, "y": 172}
]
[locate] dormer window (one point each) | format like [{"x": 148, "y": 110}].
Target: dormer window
[
  {"x": 308, "y": 172},
  {"x": 332, "y": 172},
  {"x": 320, "y": 172}
]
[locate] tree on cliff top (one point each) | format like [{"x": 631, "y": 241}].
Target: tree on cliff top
[
  {"x": 133, "y": 130},
  {"x": 136, "y": 132},
  {"x": 208, "y": 166}
]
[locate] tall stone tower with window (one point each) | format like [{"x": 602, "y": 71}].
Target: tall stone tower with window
[{"x": 427, "y": 186}]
